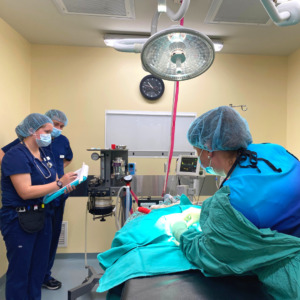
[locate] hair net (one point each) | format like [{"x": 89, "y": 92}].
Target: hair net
[
  {"x": 31, "y": 124},
  {"x": 221, "y": 128},
  {"x": 57, "y": 115}
]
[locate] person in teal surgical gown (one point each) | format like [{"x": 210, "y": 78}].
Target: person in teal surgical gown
[{"x": 263, "y": 178}]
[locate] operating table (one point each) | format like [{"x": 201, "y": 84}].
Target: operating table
[{"x": 193, "y": 285}]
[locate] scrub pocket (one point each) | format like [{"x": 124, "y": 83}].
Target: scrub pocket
[{"x": 31, "y": 221}]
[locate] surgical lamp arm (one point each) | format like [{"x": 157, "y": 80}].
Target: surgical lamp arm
[
  {"x": 181, "y": 11},
  {"x": 273, "y": 12},
  {"x": 130, "y": 45},
  {"x": 285, "y": 14},
  {"x": 173, "y": 16},
  {"x": 155, "y": 22}
]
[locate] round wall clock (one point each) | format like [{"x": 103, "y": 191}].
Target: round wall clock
[{"x": 152, "y": 87}]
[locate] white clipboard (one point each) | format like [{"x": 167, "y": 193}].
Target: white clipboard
[{"x": 82, "y": 175}]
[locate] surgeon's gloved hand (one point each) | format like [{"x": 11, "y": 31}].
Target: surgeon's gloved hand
[
  {"x": 191, "y": 215},
  {"x": 178, "y": 228}
]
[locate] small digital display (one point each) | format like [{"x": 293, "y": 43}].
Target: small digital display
[{"x": 188, "y": 164}]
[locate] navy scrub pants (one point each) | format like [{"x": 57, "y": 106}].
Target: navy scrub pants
[
  {"x": 56, "y": 220},
  {"x": 27, "y": 255}
]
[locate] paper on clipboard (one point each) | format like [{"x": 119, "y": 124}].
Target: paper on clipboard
[
  {"x": 82, "y": 175},
  {"x": 82, "y": 172}
]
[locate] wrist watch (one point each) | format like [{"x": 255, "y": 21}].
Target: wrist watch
[{"x": 59, "y": 184}]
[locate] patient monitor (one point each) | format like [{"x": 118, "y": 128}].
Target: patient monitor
[{"x": 188, "y": 165}]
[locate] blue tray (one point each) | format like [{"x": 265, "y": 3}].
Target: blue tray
[{"x": 48, "y": 198}]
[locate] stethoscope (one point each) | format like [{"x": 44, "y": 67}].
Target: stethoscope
[
  {"x": 46, "y": 163},
  {"x": 47, "y": 160}
]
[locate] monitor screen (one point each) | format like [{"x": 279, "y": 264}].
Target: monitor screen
[{"x": 188, "y": 164}]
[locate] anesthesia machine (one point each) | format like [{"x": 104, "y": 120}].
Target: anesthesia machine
[{"x": 113, "y": 168}]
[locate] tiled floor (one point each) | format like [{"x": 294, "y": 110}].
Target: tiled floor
[{"x": 71, "y": 272}]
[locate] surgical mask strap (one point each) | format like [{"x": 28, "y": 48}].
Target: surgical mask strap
[
  {"x": 210, "y": 158},
  {"x": 200, "y": 154},
  {"x": 199, "y": 158}
]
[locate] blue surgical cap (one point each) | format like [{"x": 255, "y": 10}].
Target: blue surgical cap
[
  {"x": 57, "y": 115},
  {"x": 221, "y": 128},
  {"x": 31, "y": 124}
]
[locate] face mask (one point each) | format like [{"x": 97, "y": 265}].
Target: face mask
[
  {"x": 55, "y": 132},
  {"x": 44, "y": 140},
  {"x": 210, "y": 169}
]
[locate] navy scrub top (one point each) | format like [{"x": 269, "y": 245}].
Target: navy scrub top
[
  {"x": 10, "y": 145},
  {"x": 268, "y": 199},
  {"x": 61, "y": 150},
  {"x": 19, "y": 160},
  {"x": 60, "y": 147}
]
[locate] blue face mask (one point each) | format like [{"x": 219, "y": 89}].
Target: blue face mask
[
  {"x": 210, "y": 169},
  {"x": 44, "y": 140},
  {"x": 55, "y": 132}
]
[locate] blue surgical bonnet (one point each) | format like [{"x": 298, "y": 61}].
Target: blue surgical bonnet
[
  {"x": 31, "y": 124},
  {"x": 221, "y": 128},
  {"x": 57, "y": 115}
]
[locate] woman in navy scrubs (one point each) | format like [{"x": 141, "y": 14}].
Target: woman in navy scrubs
[
  {"x": 63, "y": 155},
  {"x": 28, "y": 174}
]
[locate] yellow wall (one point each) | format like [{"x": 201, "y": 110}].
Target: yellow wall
[
  {"x": 15, "y": 61},
  {"x": 84, "y": 82},
  {"x": 293, "y": 104}
]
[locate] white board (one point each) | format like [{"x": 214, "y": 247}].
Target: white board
[{"x": 147, "y": 133}]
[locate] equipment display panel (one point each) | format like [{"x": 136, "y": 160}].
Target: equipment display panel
[{"x": 188, "y": 165}]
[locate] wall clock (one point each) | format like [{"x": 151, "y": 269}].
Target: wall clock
[{"x": 152, "y": 87}]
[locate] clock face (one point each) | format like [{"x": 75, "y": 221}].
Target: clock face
[{"x": 152, "y": 87}]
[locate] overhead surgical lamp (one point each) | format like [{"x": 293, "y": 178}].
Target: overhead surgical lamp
[
  {"x": 286, "y": 13},
  {"x": 176, "y": 53}
]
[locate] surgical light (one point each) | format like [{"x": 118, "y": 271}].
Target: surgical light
[{"x": 177, "y": 53}]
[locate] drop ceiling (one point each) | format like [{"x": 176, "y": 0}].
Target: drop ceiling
[{"x": 243, "y": 25}]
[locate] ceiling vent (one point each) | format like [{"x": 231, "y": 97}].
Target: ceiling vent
[
  {"x": 241, "y": 12},
  {"x": 102, "y": 8}
]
